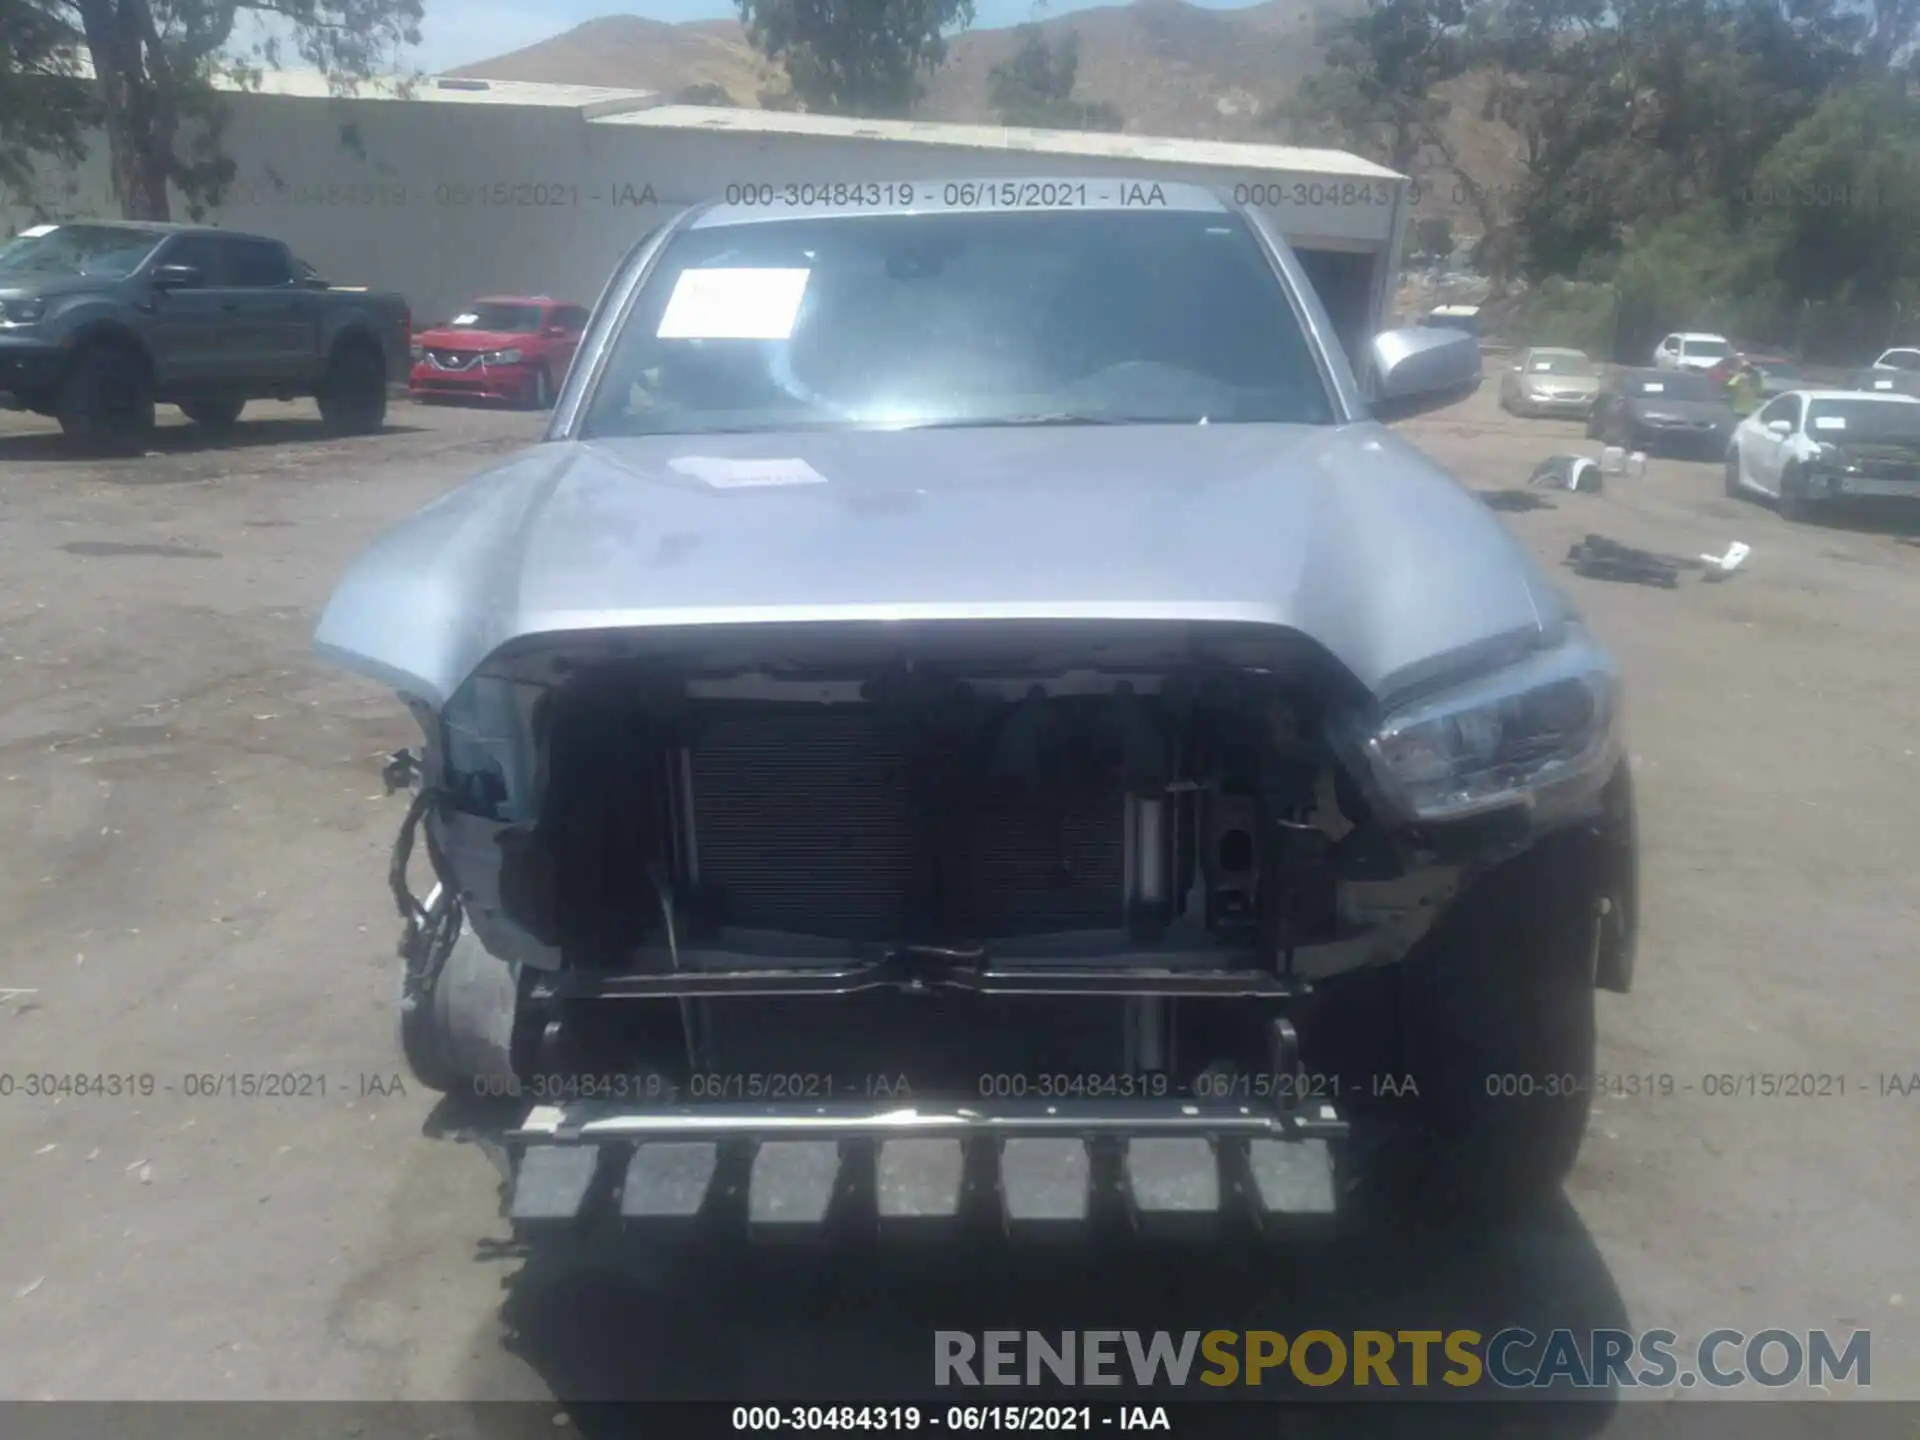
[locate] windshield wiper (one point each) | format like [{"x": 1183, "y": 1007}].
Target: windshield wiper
[{"x": 1057, "y": 417}]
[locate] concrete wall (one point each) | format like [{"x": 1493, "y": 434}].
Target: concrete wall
[{"x": 445, "y": 201}]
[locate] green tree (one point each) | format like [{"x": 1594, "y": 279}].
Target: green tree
[
  {"x": 1632, "y": 112},
  {"x": 46, "y": 106},
  {"x": 854, "y": 57},
  {"x": 155, "y": 67},
  {"x": 1375, "y": 90},
  {"x": 1035, "y": 87}
]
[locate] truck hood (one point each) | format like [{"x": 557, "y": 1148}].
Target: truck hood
[
  {"x": 1344, "y": 534},
  {"x": 46, "y": 287}
]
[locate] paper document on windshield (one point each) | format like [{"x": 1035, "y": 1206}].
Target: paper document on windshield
[
  {"x": 734, "y": 304},
  {"x": 1829, "y": 422},
  {"x": 1653, "y": 387},
  {"x": 469, "y": 318},
  {"x": 726, "y": 474},
  {"x": 34, "y": 232}
]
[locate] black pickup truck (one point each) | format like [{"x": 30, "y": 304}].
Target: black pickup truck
[{"x": 99, "y": 320}]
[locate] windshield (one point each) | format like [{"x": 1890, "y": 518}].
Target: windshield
[
  {"x": 1561, "y": 365},
  {"x": 1668, "y": 386},
  {"x": 109, "y": 251},
  {"x": 492, "y": 315},
  {"x": 1842, "y": 420},
  {"x": 996, "y": 319},
  {"x": 1705, "y": 349}
]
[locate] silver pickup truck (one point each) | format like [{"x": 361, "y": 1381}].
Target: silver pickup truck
[
  {"x": 968, "y": 716},
  {"x": 102, "y": 319}
]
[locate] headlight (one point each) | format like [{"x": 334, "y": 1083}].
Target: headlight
[
  {"x": 22, "y": 312},
  {"x": 419, "y": 352},
  {"x": 501, "y": 357},
  {"x": 1540, "y": 733}
]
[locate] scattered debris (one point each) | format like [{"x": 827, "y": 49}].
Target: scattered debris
[
  {"x": 29, "y": 1288},
  {"x": 1567, "y": 472},
  {"x": 1721, "y": 566},
  {"x": 1599, "y": 558},
  {"x": 1515, "y": 500}
]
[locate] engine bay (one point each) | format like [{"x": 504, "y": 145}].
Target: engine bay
[{"x": 955, "y": 871}]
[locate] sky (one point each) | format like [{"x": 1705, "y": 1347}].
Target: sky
[{"x": 460, "y": 32}]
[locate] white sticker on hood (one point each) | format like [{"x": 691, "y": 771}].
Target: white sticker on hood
[
  {"x": 1883, "y": 384},
  {"x": 469, "y": 318},
  {"x": 734, "y": 304},
  {"x": 34, "y": 232},
  {"x": 1829, "y": 422},
  {"x": 1653, "y": 387},
  {"x": 725, "y": 474}
]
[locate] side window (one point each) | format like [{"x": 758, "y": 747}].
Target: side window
[
  {"x": 257, "y": 264},
  {"x": 574, "y": 317},
  {"x": 201, "y": 253},
  {"x": 1786, "y": 408}
]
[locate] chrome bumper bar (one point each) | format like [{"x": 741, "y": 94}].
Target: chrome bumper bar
[
  {"x": 840, "y": 1170},
  {"x": 590, "y": 1123}
]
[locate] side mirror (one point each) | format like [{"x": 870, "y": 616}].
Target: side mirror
[
  {"x": 1782, "y": 428},
  {"x": 1421, "y": 368},
  {"x": 177, "y": 277}
]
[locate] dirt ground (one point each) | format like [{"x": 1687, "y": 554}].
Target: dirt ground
[{"x": 192, "y": 883}]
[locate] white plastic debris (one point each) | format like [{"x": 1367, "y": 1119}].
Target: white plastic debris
[
  {"x": 1720, "y": 566},
  {"x": 1637, "y": 465},
  {"x": 1613, "y": 460}
]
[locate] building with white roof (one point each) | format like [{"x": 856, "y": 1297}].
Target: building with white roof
[{"x": 445, "y": 188}]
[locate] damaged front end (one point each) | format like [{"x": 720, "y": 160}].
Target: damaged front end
[{"x": 1066, "y": 901}]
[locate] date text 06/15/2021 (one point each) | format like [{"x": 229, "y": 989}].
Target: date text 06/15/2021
[{"x": 953, "y": 1419}]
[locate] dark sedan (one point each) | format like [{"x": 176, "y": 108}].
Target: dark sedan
[{"x": 1663, "y": 411}]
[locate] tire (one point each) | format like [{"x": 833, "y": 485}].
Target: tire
[
  {"x": 1734, "y": 490},
  {"x": 216, "y": 415},
  {"x": 542, "y": 396},
  {"x": 1794, "y": 506},
  {"x": 106, "y": 403},
  {"x": 1497, "y": 1014},
  {"x": 353, "y": 395}
]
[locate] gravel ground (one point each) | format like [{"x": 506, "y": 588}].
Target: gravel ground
[{"x": 192, "y": 879}]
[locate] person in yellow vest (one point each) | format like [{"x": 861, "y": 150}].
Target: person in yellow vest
[{"x": 1744, "y": 391}]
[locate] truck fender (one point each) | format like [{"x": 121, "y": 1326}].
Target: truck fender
[{"x": 106, "y": 331}]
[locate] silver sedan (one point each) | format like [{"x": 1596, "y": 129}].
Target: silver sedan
[{"x": 1545, "y": 382}]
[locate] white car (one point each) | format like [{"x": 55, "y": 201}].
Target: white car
[
  {"x": 1691, "y": 350},
  {"x": 1901, "y": 359},
  {"x": 1811, "y": 446}
]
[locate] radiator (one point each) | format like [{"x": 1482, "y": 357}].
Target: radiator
[{"x": 837, "y": 821}]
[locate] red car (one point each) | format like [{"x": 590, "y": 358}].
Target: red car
[{"x": 504, "y": 347}]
